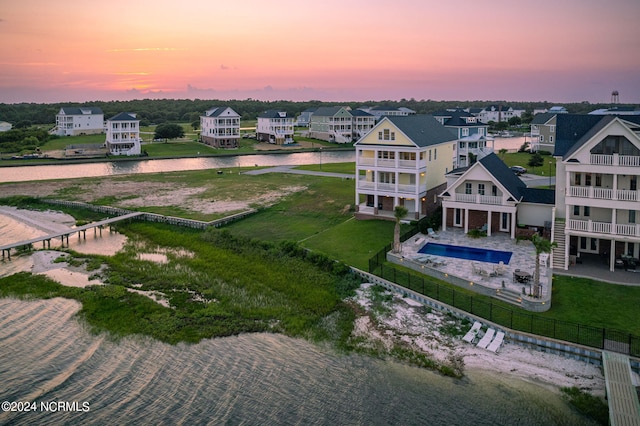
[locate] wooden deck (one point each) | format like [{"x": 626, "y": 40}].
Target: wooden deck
[{"x": 624, "y": 408}]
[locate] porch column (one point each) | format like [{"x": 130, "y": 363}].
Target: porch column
[
  {"x": 612, "y": 256},
  {"x": 444, "y": 217},
  {"x": 466, "y": 220},
  {"x": 613, "y": 220},
  {"x": 416, "y": 204},
  {"x": 513, "y": 225},
  {"x": 614, "y": 195},
  {"x": 375, "y": 203},
  {"x": 489, "y": 223},
  {"x": 567, "y": 243}
]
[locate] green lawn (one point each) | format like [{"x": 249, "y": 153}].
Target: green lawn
[
  {"x": 522, "y": 159},
  {"x": 349, "y": 168}
]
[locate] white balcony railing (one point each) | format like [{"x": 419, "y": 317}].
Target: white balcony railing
[
  {"x": 366, "y": 184},
  {"x": 478, "y": 199},
  {"x": 615, "y": 160},
  {"x": 407, "y": 189},
  {"x": 386, "y": 163},
  {"x": 630, "y": 230},
  {"x": 603, "y": 193},
  {"x": 390, "y": 187}
]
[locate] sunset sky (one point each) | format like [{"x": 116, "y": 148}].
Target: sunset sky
[{"x": 330, "y": 50}]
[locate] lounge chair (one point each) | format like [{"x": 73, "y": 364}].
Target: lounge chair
[
  {"x": 432, "y": 234},
  {"x": 472, "y": 333},
  {"x": 496, "y": 342},
  {"x": 544, "y": 258},
  {"x": 476, "y": 268},
  {"x": 486, "y": 339},
  {"x": 484, "y": 228},
  {"x": 419, "y": 241},
  {"x": 500, "y": 269}
]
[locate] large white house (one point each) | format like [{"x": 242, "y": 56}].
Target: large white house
[
  {"x": 220, "y": 127},
  {"x": 597, "y": 215},
  {"x": 275, "y": 127},
  {"x": 402, "y": 161},
  {"x": 332, "y": 124},
  {"x": 473, "y": 135},
  {"x": 499, "y": 113},
  {"x": 71, "y": 121},
  {"x": 123, "y": 134}
]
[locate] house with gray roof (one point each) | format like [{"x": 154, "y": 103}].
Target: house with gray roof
[
  {"x": 402, "y": 161},
  {"x": 220, "y": 127},
  {"x": 74, "y": 121},
  {"x": 543, "y": 132},
  {"x": 488, "y": 195},
  {"x": 473, "y": 139},
  {"x": 332, "y": 124},
  {"x": 597, "y": 215},
  {"x": 123, "y": 134},
  {"x": 499, "y": 113},
  {"x": 275, "y": 127}
]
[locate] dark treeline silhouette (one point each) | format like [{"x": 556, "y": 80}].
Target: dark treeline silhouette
[{"x": 157, "y": 111}]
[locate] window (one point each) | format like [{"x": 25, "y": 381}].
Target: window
[
  {"x": 632, "y": 216},
  {"x": 429, "y": 155},
  {"x": 576, "y": 210},
  {"x": 541, "y": 138},
  {"x": 587, "y": 179},
  {"x": 583, "y": 243},
  {"x": 435, "y": 153},
  {"x": 633, "y": 182},
  {"x": 552, "y": 128},
  {"x": 465, "y": 131},
  {"x": 467, "y": 188},
  {"x": 481, "y": 188},
  {"x": 598, "y": 179},
  {"x": 594, "y": 244},
  {"x": 587, "y": 211},
  {"x": 387, "y": 178},
  {"x": 494, "y": 190},
  {"x": 578, "y": 179},
  {"x": 504, "y": 222},
  {"x": 550, "y": 139},
  {"x": 481, "y": 131}
]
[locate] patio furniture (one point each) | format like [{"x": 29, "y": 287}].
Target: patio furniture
[
  {"x": 432, "y": 234},
  {"x": 544, "y": 259},
  {"x": 476, "y": 269},
  {"x": 496, "y": 342},
  {"x": 500, "y": 269},
  {"x": 483, "y": 228},
  {"x": 418, "y": 241},
  {"x": 472, "y": 333},
  {"x": 486, "y": 339},
  {"x": 521, "y": 276}
]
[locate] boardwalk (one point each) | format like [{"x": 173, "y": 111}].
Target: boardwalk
[
  {"x": 624, "y": 408},
  {"x": 46, "y": 239}
]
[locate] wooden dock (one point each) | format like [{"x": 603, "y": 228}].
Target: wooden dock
[
  {"x": 64, "y": 235},
  {"x": 624, "y": 408}
]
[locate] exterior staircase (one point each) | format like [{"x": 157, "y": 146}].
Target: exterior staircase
[
  {"x": 509, "y": 296},
  {"x": 558, "y": 252}
]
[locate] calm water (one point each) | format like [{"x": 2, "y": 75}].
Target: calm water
[
  {"x": 66, "y": 171},
  {"x": 47, "y": 355}
]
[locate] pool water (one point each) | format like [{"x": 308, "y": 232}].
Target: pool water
[{"x": 469, "y": 253}]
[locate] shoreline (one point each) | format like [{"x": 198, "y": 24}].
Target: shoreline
[{"x": 406, "y": 322}]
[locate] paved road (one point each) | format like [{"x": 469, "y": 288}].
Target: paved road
[
  {"x": 290, "y": 169},
  {"x": 533, "y": 181}
]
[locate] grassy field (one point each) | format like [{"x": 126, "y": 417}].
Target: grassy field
[{"x": 522, "y": 159}]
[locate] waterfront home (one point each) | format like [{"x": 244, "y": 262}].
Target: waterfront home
[
  {"x": 597, "y": 216},
  {"x": 305, "y": 116},
  {"x": 123, "y": 134},
  {"x": 362, "y": 123},
  {"x": 220, "y": 127},
  {"x": 275, "y": 127},
  {"x": 387, "y": 111},
  {"x": 79, "y": 121},
  {"x": 332, "y": 124},
  {"x": 402, "y": 161},
  {"x": 473, "y": 140},
  {"x": 543, "y": 132},
  {"x": 499, "y": 113},
  {"x": 488, "y": 196}
]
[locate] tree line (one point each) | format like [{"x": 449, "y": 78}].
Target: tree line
[{"x": 158, "y": 111}]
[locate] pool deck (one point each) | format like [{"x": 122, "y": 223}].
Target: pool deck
[{"x": 523, "y": 258}]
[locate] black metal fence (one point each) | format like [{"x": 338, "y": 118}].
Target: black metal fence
[{"x": 515, "y": 319}]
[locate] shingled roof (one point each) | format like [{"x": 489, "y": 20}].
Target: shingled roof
[
  {"x": 423, "y": 130},
  {"x": 572, "y": 128},
  {"x": 124, "y": 116}
]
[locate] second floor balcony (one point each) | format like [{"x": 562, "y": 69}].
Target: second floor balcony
[
  {"x": 477, "y": 199},
  {"x": 615, "y": 160},
  {"x": 603, "y": 193},
  {"x": 398, "y": 188},
  {"x": 607, "y": 228}
]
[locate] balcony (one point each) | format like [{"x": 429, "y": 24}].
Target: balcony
[
  {"x": 615, "y": 160},
  {"x": 603, "y": 193},
  {"x": 387, "y": 187},
  {"x": 477, "y": 199},
  {"x": 627, "y": 230}
]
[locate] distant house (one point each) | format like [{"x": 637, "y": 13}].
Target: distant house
[
  {"x": 616, "y": 110},
  {"x": 499, "y": 113},
  {"x": 597, "y": 193},
  {"x": 402, "y": 161},
  {"x": 220, "y": 127},
  {"x": 543, "y": 132},
  {"x": 362, "y": 122},
  {"x": 123, "y": 134},
  {"x": 489, "y": 193},
  {"x": 387, "y": 111},
  {"x": 275, "y": 127},
  {"x": 332, "y": 124},
  {"x": 473, "y": 139},
  {"x": 72, "y": 121},
  {"x": 305, "y": 117}
]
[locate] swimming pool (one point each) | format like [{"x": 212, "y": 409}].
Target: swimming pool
[{"x": 470, "y": 253}]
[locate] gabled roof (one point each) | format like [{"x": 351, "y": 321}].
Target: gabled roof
[
  {"x": 124, "y": 116},
  {"x": 423, "y": 130},
  {"x": 81, "y": 110},
  {"x": 543, "y": 118},
  {"x": 538, "y": 196},
  {"x": 217, "y": 111},
  {"x": 503, "y": 174},
  {"x": 328, "y": 111},
  {"x": 571, "y": 128},
  {"x": 384, "y": 108},
  {"x": 360, "y": 113},
  {"x": 272, "y": 113}
]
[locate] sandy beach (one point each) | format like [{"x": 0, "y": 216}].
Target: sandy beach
[{"x": 402, "y": 321}]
